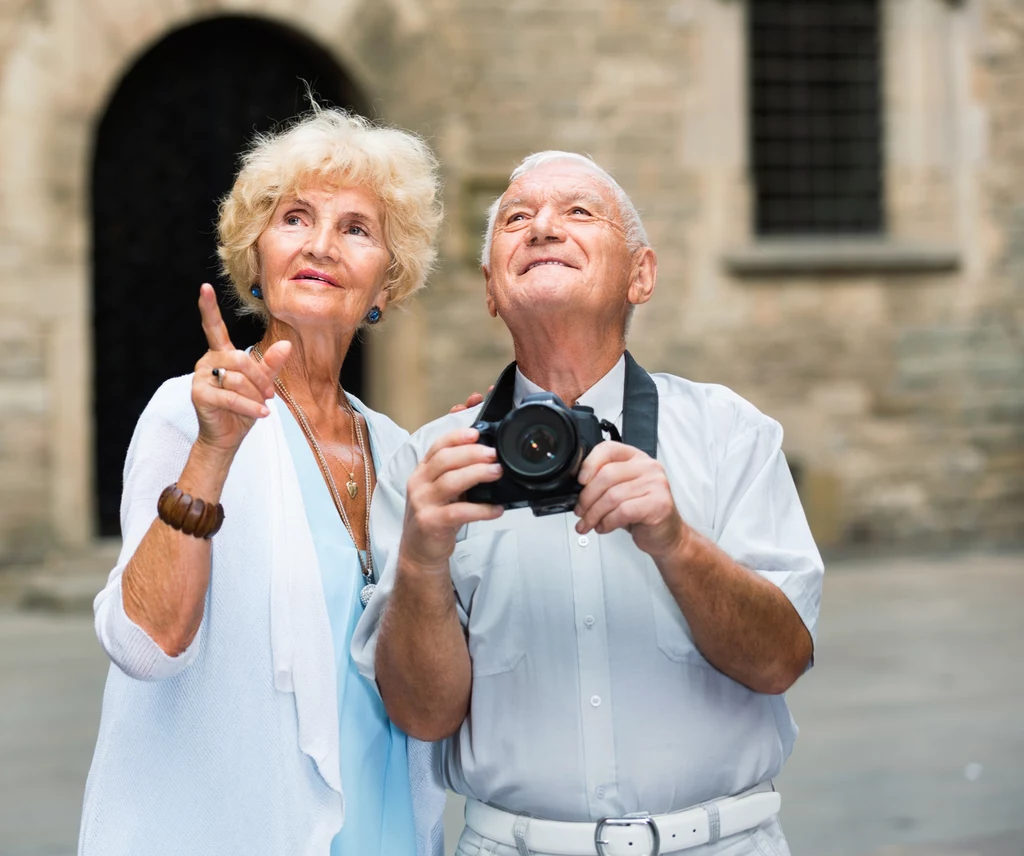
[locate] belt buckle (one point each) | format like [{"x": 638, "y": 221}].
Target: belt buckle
[{"x": 641, "y": 818}]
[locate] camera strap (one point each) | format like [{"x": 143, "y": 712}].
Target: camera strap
[
  {"x": 639, "y": 409},
  {"x": 639, "y": 405}
]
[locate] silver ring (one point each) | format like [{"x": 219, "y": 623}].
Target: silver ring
[{"x": 220, "y": 374}]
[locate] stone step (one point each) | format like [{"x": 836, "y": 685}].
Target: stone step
[
  {"x": 65, "y": 593},
  {"x": 66, "y": 583}
]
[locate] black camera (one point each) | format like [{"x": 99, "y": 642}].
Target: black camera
[{"x": 541, "y": 445}]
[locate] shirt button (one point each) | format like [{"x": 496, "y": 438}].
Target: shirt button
[
  {"x": 599, "y": 792},
  {"x": 595, "y": 700},
  {"x": 583, "y": 540},
  {"x": 589, "y": 621}
]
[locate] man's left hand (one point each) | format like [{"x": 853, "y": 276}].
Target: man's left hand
[{"x": 625, "y": 488}]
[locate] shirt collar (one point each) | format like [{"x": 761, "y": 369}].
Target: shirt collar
[{"x": 605, "y": 396}]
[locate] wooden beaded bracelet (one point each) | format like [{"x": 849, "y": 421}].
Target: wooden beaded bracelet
[{"x": 188, "y": 514}]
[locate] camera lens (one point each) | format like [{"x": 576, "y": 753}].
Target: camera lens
[
  {"x": 536, "y": 443},
  {"x": 539, "y": 445}
]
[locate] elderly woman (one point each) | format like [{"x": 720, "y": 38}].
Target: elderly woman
[{"x": 233, "y": 720}]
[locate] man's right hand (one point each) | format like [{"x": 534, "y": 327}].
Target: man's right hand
[{"x": 434, "y": 510}]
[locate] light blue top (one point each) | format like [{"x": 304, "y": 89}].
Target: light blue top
[{"x": 378, "y": 814}]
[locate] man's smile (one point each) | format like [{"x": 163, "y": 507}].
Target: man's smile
[{"x": 549, "y": 261}]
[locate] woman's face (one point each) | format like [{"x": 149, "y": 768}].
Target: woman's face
[{"x": 323, "y": 260}]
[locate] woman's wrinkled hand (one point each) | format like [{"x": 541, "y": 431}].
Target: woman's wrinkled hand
[
  {"x": 228, "y": 408},
  {"x": 473, "y": 400}
]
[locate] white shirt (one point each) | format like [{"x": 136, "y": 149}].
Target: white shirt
[
  {"x": 232, "y": 746},
  {"x": 590, "y": 698}
]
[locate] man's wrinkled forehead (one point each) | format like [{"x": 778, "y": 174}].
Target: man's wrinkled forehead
[{"x": 560, "y": 181}]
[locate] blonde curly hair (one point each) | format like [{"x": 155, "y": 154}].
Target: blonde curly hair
[{"x": 330, "y": 147}]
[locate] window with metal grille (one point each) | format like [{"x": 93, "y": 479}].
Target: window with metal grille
[{"x": 816, "y": 123}]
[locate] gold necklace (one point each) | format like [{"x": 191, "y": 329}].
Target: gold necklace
[
  {"x": 367, "y": 566},
  {"x": 352, "y": 486}
]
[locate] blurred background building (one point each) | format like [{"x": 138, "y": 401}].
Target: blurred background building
[
  {"x": 836, "y": 192},
  {"x": 835, "y": 189}
]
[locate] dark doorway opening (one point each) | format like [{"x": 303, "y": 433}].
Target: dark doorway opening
[{"x": 166, "y": 151}]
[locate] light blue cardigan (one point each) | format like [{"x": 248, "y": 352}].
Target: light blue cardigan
[{"x": 232, "y": 746}]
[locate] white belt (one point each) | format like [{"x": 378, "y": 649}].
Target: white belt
[{"x": 627, "y": 836}]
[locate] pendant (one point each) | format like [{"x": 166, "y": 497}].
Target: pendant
[
  {"x": 366, "y": 594},
  {"x": 353, "y": 488}
]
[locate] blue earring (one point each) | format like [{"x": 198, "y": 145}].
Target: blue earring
[
  {"x": 374, "y": 315},
  {"x": 256, "y": 291}
]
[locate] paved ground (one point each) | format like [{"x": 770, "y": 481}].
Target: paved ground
[
  {"x": 911, "y": 741},
  {"x": 911, "y": 720}
]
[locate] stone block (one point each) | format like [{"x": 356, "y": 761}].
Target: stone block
[
  {"x": 24, "y": 396},
  {"x": 22, "y": 350},
  {"x": 821, "y": 495},
  {"x": 25, "y": 542}
]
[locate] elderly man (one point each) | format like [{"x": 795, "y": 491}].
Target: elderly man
[{"x": 607, "y": 681}]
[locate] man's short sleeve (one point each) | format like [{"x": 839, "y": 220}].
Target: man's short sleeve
[
  {"x": 760, "y": 522},
  {"x": 386, "y": 513}
]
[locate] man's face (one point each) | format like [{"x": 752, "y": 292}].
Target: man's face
[{"x": 558, "y": 244}]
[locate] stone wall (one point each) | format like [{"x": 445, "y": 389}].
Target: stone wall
[
  {"x": 901, "y": 388},
  {"x": 24, "y": 435}
]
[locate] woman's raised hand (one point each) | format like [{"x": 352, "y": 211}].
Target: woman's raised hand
[{"x": 230, "y": 389}]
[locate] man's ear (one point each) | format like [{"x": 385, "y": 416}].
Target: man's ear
[
  {"x": 491, "y": 305},
  {"x": 644, "y": 276}
]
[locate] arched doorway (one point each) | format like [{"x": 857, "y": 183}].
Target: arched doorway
[{"x": 166, "y": 151}]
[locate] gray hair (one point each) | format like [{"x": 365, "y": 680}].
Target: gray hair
[{"x": 636, "y": 235}]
